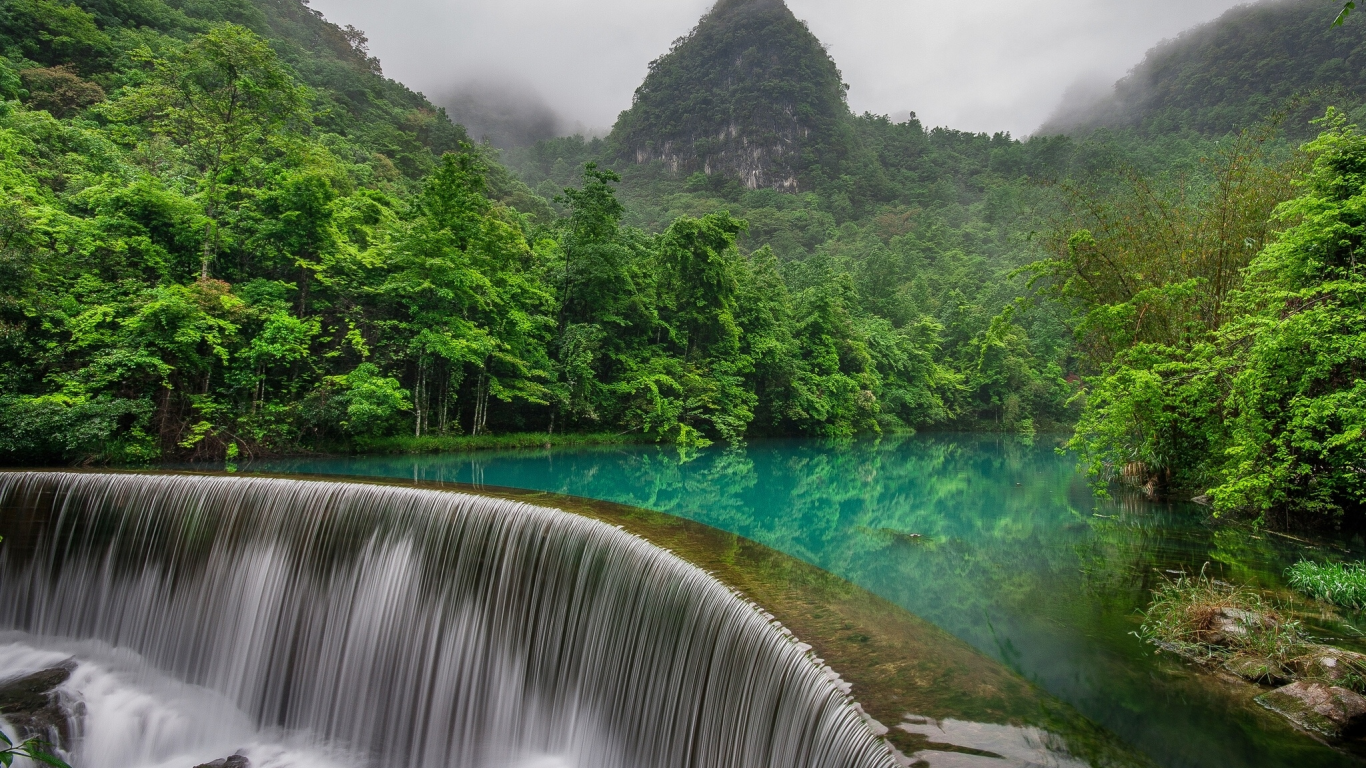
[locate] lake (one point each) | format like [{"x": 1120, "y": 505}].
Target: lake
[{"x": 998, "y": 540}]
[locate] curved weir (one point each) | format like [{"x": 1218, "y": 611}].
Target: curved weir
[{"x": 408, "y": 627}]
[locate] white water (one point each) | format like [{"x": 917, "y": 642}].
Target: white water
[
  {"x": 316, "y": 624},
  {"x": 131, "y": 715}
]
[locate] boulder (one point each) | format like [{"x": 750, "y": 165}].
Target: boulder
[
  {"x": 1328, "y": 710},
  {"x": 1227, "y": 626},
  {"x": 1258, "y": 670},
  {"x": 31, "y": 704},
  {"x": 231, "y": 761},
  {"x": 1330, "y": 665}
]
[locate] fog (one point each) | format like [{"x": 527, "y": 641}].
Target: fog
[{"x": 565, "y": 65}]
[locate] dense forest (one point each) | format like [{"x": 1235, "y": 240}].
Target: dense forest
[
  {"x": 226, "y": 234},
  {"x": 1254, "y": 61}
]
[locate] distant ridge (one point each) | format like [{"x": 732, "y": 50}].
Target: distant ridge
[
  {"x": 750, "y": 92},
  {"x": 1234, "y": 71}
]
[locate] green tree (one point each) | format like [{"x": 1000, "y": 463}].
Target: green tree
[{"x": 225, "y": 98}]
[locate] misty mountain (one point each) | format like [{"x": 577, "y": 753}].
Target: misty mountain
[
  {"x": 506, "y": 114},
  {"x": 1255, "y": 60},
  {"x": 750, "y": 92},
  {"x": 391, "y": 127}
]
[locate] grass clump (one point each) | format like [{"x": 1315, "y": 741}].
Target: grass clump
[
  {"x": 1210, "y": 621},
  {"x": 1235, "y": 628},
  {"x": 1338, "y": 583}
]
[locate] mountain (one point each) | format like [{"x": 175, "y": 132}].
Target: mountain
[
  {"x": 91, "y": 41},
  {"x": 1255, "y": 60},
  {"x": 750, "y": 92}
]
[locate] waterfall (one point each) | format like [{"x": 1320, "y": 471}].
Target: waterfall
[{"x": 408, "y": 627}]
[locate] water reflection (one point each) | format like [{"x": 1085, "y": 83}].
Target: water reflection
[
  {"x": 998, "y": 541},
  {"x": 959, "y": 744}
]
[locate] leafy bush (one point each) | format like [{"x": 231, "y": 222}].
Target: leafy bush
[
  {"x": 1253, "y": 389},
  {"x": 369, "y": 401}
]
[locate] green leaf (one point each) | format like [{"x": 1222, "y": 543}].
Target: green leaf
[
  {"x": 1346, "y": 11},
  {"x": 43, "y": 757}
]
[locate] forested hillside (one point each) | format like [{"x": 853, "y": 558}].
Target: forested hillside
[
  {"x": 926, "y": 229},
  {"x": 751, "y": 95},
  {"x": 1279, "y": 57},
  {"x": 227, "y": 234},
  {"x": 1146, "y": 277}
]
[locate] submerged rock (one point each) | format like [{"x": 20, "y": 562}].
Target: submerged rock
[
  {"x": 1330, "y": 664},
  {"x": 231, "y": 761},
  {"x": 31, "y": 704},
  {"x": 1329, "y": 710},
  {"x": 1258, "y": 670}
]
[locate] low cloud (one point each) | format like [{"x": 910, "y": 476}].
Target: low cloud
[
  {"x": 506, "y": 113},
  {"x": 973, "y": 66}
]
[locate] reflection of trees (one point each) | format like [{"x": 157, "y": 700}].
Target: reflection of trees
[
  {"x": 1007, "y": 531},
  {"x": 1014, "y": 554}
]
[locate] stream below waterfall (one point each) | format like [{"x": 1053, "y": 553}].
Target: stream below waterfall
[{"x": 999, "y": 541}]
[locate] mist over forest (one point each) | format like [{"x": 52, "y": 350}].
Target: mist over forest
[{"x": 506, "y": 114}]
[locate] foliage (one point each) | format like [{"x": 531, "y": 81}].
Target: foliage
[
  {"x": 1294, "y": 58},
  {"x": 1251, "y": 390},
  {"x": 1339, "y": 583},
  {"x": 226, "y": 233},
  {"x": 200, "y": 261},
  {"x": 33, "y": 749}
]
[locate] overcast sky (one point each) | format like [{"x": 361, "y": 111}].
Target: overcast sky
[{"x": 968, "y": 64}]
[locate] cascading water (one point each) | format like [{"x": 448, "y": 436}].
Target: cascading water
[{"x": 393, "y": 627}]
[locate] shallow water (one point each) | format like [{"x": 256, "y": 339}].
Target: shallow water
[{"x": 997, "y": 541}]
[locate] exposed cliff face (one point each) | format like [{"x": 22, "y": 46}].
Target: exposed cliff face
[{"x": 749, "y": 93}]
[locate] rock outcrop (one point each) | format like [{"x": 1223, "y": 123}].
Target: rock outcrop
[
  {"x": 1329, "y": 664},
  {"x": 750, "y": 93},
  {"x": 1328, "y": 710},
  {"x": 33, "y": 707}
]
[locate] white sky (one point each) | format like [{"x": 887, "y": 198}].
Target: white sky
[{"x": 968, "y": 64}]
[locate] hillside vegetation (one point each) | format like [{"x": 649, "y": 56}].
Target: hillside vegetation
[
  {"x": 227, "y": 234},
  {"x": 1277, "y": 57}
]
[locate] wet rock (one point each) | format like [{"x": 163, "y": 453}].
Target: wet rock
[
  {"x": 1226, "y": 626},
  {"x": 1330, "y": 664},
  {"x": 231, "y": 761},
  {"x": 1258, "y": 670},
  {"x": 1203, "y": 500},
  {"x": 1329, "y": 710},
  {"x": 31, "y": 704}
]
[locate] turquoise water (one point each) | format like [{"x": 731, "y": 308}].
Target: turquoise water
[{"x": 998, "y": 541}]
